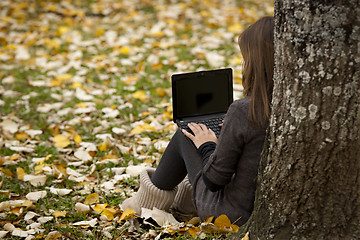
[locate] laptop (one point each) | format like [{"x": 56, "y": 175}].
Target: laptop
[{"x": 202, "y": 97}]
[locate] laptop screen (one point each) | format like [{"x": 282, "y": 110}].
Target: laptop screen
[{"x": 202, "y": 93}]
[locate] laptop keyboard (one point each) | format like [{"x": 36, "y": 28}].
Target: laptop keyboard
[{"x": 212, "y": 123}]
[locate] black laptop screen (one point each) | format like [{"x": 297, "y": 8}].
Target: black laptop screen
[{"x": 202, "y": 93}]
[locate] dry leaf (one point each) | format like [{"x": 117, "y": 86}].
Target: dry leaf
[
  {"x": 53, "y": 235},
  {"x": 127, "y": 214},
  {"x": 35, "y": 180},
  {"x": 82, "y": 208},
  {"x": 20, "y": 172},
  {"x": 59, "y": 214},
  {"x": 90, "y": 223},
  {"x": 140, "y": 94},
  {"x": 109, "y": 212},
  {"x": 61, "y": 141},
  {"x": 34, "y": 196},
  {"x": 92, "y": 198},
  {"x": 10, "y": 126},
  {"x": 224, "y": 224},
  {"x": 22, "y": 136},
  {"x": 160, "y": 217},
  {"x": 99, "y": 207},
  {"x": 60, "y": 191},
  {"x": 77, "y": 139},
  {"x": 103, "y": 146}
]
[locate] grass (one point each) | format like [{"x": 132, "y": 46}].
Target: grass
[{"x": 102, "y": 71}]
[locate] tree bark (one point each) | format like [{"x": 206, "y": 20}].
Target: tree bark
[{"x": 309, "y": 176}]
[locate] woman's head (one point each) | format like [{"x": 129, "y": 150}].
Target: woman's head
[{"x": 257, "y": 47}]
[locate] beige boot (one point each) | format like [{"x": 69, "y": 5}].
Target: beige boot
[
  {"x": 183, "y": 203},
  {"x": 149, "y": 196}
]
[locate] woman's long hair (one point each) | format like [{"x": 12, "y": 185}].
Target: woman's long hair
[{"x": 257, "y": 47}]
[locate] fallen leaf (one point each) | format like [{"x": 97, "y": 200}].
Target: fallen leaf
[
  {"x": 35, "y": 180},
  {"x": 77, "y": 139},
  {"x": 34, "y": 196},
  {"x": 20, "y": 172},
  {"x": 140, "y": 94},
  {"x": 53, "y": 235},
  {"x": 127, "y": 214},
  {"x": 58, "y": 214},
  {"x": 60, "y": 191},
  {"x": 22, "y": 136},
  {"x": 90, "y": 223},
  {"x": 160, "y": 217},
  {"x": 61, "y": 141},
  {"x": 103, "y": 146},
  {"x": 82, "y": 208},
  {"x": 92, "y": 198},
  {"x": 10, "y": 126}
]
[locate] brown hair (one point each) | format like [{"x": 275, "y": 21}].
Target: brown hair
[{"x": 257, "y": 47}]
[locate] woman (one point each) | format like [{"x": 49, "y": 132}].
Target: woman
[{"x": 220, "y": 172}]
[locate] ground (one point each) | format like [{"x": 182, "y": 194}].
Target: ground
[{"x": 86, "y": 104}]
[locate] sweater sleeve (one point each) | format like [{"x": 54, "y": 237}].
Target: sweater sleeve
[
  {"x": 222, "y": 163},
  {"x": 205, "y": 150}
]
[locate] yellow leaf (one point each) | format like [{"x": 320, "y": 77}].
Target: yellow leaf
[
  {"x": 140, "y": 95},
  {"x": 22, "y": 136},
  {"x": 39, "y": 166},
  {"x": 20, "y": 172},
  {"x": 77, "y": 139},
  {"x": 81, "y": 105},
  {"x": 158, "y": 34},
  {"x": 123, "y": 50},
  {"x": 131, "y": 79},
  {"x": 193, "y": 230},
  {"x": 235, "y": 28},
  {"x": 61, "y": 141},
  {"x": 161, "y": 92},
  {"x": 149, "y": 160},
  {"x": 7, "y": 172},
  {"x": 99, "y": 32},
  {"x": 76, "y": 85},
  {"x": 51, "y": 236},
  {"x": 142, "y": 128},
  {"x": 224, "y": 224},
  {"x": 103, "y": 146},
  {"x": 100, "y": 207},
  {"x": 109, "y": 156},
  {"x": 56, "y": 83},
  {"x": 59, "y": 214},
  {"x": 209, "y": 219},
  {"x": 64, "y": 77},
  {"x": 127, "y": 214},
  {"x": 14, "y": 157},
  {"x": 92, "y": 198},
  {"x": 59, "y": 168},
  {"x": 222, "y": 220},
  {"x": 17, "y": 211},
  {"x": 61, "y": 30},
  {"x": 109, "y": 212},
  {"x": 157, "y": 66}
]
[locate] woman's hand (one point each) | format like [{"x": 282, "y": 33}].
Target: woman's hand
[{"x": 201, "y": 134}]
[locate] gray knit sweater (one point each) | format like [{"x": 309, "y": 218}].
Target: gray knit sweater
[{"x": 234, "y": 165}]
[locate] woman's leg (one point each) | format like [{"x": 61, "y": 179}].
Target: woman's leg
[{"x": 179, "y": 159}]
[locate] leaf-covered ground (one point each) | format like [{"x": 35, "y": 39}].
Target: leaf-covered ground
[{"x": 85, "y": 104}]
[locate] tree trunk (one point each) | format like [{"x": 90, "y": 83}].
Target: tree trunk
[{"x": 309, "y": 178}]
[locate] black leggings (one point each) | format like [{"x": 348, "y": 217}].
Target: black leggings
[{"x": 180, "y": 158}]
